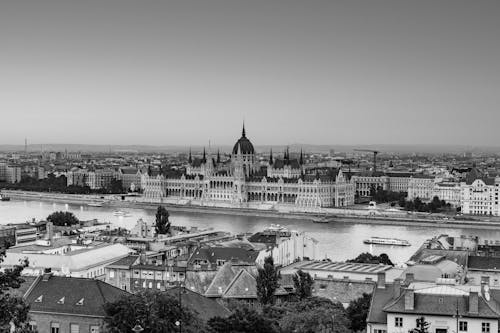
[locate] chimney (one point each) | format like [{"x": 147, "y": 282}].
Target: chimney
[
  {"x": 49, "y": 235},
  {"x": 397, "y": 288},
  {"x": 381, "y": 280},
  {"x": 409, "y": 299},
  {"x": 473, "y": 302},
  {"x": 47, "y": 273},
  {"x": 410, "y": 277},
  {"x": 142, "y": 258}
]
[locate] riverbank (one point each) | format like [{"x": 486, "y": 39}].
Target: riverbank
[{"x": 347, "y": 216}]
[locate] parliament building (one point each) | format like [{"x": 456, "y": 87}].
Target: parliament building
[{"x": 243, "y": 179}]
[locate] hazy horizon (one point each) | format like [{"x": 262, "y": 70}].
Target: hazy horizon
[{"x": 183, "y": 72}]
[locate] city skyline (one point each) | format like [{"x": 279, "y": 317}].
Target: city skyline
[{"x": 186, "y": 72}]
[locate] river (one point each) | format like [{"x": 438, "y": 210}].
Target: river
[{"x": 337, "y": 241}]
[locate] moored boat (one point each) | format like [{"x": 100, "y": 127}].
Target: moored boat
[
  {"x": 386, "y": 241},
  {"x": 3, "y": 197}
]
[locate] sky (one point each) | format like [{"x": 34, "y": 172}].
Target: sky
[{"x": 186, "y": 72}]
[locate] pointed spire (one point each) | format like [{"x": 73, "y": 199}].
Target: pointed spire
[
  {"x": 301, "y": 160},
  {"x": 190, "y": 159},
  {"x": 204, "y": 155},
  {"x": 218, "y": 156},
  {"x": 271, "y": 157},
  {"x": 243, "y": 133}
]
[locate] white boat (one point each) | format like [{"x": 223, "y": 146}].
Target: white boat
[
  {"x": 94, "y": 204},
  {"x": 321, "y": 220},
  {"x": 387, "y": 241},
  {"x": 120, "y": 213}
]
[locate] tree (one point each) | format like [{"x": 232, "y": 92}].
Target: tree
[
  {"x": 13, "y": 309},
  {"x": 357, "y": 311},
  {"x": 155, "y": 312},
  {"x": 267, "y": 281},
  {"x": 242, "y": 320},
  {"x": 310, "y": 315},
  {"x": 303, "y": 284},
  {"x": 63, "y": 218},
  {"x": 368, "y": 258},
  {"x": 162, "y": 223},
  {"x": 422, "y": 326}
]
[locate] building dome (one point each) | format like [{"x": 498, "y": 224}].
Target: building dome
[{"x": 243, "y": 145}]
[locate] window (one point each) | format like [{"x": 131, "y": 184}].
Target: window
[
  {"x": 74, "y": 328},
  {"x": 158, "y": 285},
  {"x": 111, "y": 273},
  {"x": 462, "y": 326},
  {"x": 398, "y": 322},
  {"x": 485, "y": 327},
  {"x": 94, "y": 329},
  {"x": 54, "y": 328},
  {"x": 378, "y": 330}
]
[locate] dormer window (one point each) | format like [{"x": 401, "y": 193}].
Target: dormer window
[
  {"x": 80, "y": 302},
  {"x": 61, "y": 301},
  {"x": 39, "y": 299}
]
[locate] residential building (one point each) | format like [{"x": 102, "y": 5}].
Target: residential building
[
  {"x": 446, "y": 307},
  {"x": 65, "y": 304},
  {"x": 482, "y": 269}
]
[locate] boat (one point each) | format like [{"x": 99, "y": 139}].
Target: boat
[
  {"x": 3, "y": 197},
  {"x": 94, "y": 204},
  {"x": 386, "y": 241},
  {"x": 120, "y": 213},
  {"x": 321, "y": 220}
]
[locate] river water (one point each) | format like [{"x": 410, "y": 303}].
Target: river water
[{"x": 337, "y": 241}]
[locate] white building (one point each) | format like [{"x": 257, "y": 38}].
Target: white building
[
  {"x": 447, "y": 308},
  {"x": 480, "y": 197},
  {"x": 421, "y": 187},
  {"x": 448, "y": 191},
  {"x": 290, "y": 249},
  {"x": 66, "y": 257}
]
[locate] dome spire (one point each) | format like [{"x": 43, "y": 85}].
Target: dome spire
[
  {"x": 204, "y": 155},
  {"x": 271, "y": 157},
  {"x": 190, "y": 159},
  {"x": 301, "y": 160},
  {"x": 243, "y": 133}
]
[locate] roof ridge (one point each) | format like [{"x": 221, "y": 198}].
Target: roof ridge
[
  {"x": 233, "y": 281},
  {"x": 32, "y": 286}
]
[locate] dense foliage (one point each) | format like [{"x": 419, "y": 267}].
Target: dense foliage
[
  {"x": 62, "y": 219},
  {"x": 13, "y": 310},
  {"x": 59, "y": 184},
  {"x": 155, "y": 312},
  {"x": 368, "y": 258},
  {"x": 267, "y": 281},
  {"x": 242, "y": 320},
  {"x": 357, "y": 311},
  {"x": 162, "y": 225},
  {"x": 313, "y": 314},
  {"x": 380, "y": 195},
  {"x": 303, "y": 283},
  {"x": 434, "y": 206}
]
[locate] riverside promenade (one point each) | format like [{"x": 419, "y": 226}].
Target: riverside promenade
[{"x": 329, "y": 215}]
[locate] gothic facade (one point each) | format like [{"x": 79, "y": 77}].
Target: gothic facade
[{"x": 243, "y": 179}]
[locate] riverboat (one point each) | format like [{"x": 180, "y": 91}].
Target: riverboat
[
  {"x": 121, "y": 213},
  {"x": 321, "y": 220},
  {"x": 387, "y": 241},
  {"x": 94, "y": 204},
  {"x": 3, "y": 197}
]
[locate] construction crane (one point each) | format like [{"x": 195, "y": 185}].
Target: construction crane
[{"x": 375, "y": 152}]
